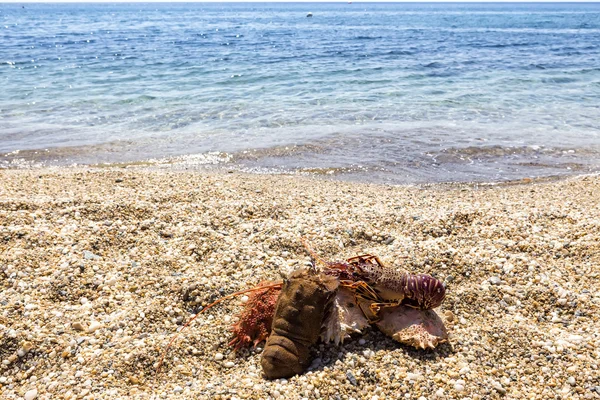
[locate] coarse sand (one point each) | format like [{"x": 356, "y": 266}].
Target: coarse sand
[{"x": 100, "y": 267}]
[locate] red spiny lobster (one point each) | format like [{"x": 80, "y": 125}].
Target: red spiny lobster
[
  {"x": 366, "y": 276},
  {"x": 371, "y": 280}
]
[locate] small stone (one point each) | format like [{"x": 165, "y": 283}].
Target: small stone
[
  {"x": 571, "y": 381},
  {"x": 94, "y": 326},
  {"x": 494, "y": 280},
  {"x": 88, "y": 255},
  {"x": 77, "y": 326},
  {"x": 449, "y": 316},
  {"x": 413, "y": 376},
  {"x": 219, "y": 356},
  {"x": 362, "y": 342},
  {"x": 244, "y": 299},
  {"x": 178, "y": 389},
  {"x": 31, "y": 394},
  {"x": 499, "y": 388},
  {"x": 229, "y": 364},
  {"x": 351, "y": 378},
  {"x": 458, "y": 387}
]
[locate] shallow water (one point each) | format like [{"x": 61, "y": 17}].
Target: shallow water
[{"x": 379, "y": 92}]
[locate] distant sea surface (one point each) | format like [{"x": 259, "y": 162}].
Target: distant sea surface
[{"x": 392, "y": 93}]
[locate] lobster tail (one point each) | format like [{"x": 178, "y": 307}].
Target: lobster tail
[
  {"x": 423, "y": 291},
  {"x": 283, "y": 357},
  {"x": 305, "y": 299}
]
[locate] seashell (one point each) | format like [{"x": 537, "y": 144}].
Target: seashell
[
  {"x": 345, "y": 318},
  {"x": 421, "y": 329}
]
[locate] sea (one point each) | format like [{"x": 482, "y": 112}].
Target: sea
[{"x": 396, "y": 93}]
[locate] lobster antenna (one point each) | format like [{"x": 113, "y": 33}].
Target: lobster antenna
[
  {"x": 162, "y": 358},
  {"x": 315, "y": 258}
]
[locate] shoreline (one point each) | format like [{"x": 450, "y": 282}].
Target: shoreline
[
  {"x": 187, "y": 164},
  {"x": 101, "y": 266}
]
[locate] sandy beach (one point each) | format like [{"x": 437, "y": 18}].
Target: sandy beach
[{"x": 100, "y": 267}]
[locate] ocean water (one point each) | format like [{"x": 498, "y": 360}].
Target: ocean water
[{"x": 395, "y": 93}]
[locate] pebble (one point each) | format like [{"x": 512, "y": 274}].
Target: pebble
[
  {"x": 492, "y": 234},
  {"x": 449, "y": 316},
  {"x": 494, "y": 280},
  {"x": 31, "y": 394},
  {"x": 88, "y": 255},
  {"x": 94, "y": 326},
  {"x": 77, "y": 326},
  {"x": 178, "y": 389},
  {"x": 351, "y": 378},
  {"x": 498, "y": 387},
  {"x": 219, "y": 356}
]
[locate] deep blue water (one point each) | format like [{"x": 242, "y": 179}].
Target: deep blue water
[{"x": 400, "y": 92}]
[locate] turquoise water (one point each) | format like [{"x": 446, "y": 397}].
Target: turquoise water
[{"x": 378, "y": 92}]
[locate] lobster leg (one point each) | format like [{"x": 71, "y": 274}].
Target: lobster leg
[{"x": 365, "y": 293}]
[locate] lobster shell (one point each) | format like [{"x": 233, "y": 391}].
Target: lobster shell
[{"x": 305, "y": 300}]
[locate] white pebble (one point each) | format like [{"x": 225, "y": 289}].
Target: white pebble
[
  {"x": 244, "y": 299},
  {"x": 178, "y": 389},
  {"x": 83, "y": 300},
  {"x": 458, "y": 387},
  {"x": 571, "y": 381},
  {"x": 229, "y": 364},
  {"x": 413, "y": 376},
  {"x": 94, "y": 326},
  {"x": 30, "y": 395},
  {"x": 219, "y": 356}
]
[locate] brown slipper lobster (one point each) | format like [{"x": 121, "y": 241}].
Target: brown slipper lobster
[{"x": 331, "y": 301}]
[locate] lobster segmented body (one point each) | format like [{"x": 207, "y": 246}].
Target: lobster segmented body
[{"x": 393, "y": 287}]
